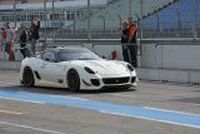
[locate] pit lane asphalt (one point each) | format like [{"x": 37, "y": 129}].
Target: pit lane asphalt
[{"x": 38, "y": 116}]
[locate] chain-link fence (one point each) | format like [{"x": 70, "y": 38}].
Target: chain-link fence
[
  {"x": 179, "y": 20},
  {"x": 154, "y": 18}
]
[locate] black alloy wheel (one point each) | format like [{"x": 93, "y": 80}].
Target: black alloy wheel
[
  {"x": 73, "y": 80},
  {"x": 28, "y": 78}
]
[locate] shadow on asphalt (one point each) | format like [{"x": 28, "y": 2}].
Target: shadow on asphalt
[{"x": 61, "y": 91}]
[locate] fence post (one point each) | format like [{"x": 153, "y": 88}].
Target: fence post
[
  {"x": 158, "y": 24},
  {"x": 52, "y": 18},
  {"x": 141, "y": 19},
  {"x": 120, "y": 20},
  {"x": 104, "y": 22},
  {"x": 53, "y": 9},
  {"x": 45, "y": 25},
  {"x": 130, "y": 8},
  {"x": 194, "y": 16},
  {"x": 74, "y": 25},
  {"x": 14, "y": 13},
  {"x": 45, "y": 20},
  {"x": 178, "y": 23},
  {"x": 89, "y": 19}
]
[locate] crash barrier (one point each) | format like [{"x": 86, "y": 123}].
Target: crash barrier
[
  {"x": 4, "y": 56},
  {"x": 171, "y": 60},
  {"x": 159, "y": 59}
]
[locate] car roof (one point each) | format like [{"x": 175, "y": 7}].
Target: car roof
[{"x": 68, "y": 48}]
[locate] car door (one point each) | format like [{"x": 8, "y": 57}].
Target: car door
[{"x": 50, "y": 70}]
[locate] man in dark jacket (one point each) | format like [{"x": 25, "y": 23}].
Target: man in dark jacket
[
  {"x": 34, "y": 34},
  {"x": 125, "y": 40},
  {"x": 23, "y": 40}
]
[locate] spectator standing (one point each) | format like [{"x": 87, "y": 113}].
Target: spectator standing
[
  {"x": 23, "y": 40},
  {"x": 3, "y": 42},
  {"x": 125, "y": 40},
  {"x": 34, "y": 34},
  {"x": 9, "y": 48},
  {"x": 132, "y": 47}
]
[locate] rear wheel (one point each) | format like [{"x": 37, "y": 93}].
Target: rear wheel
[
  {"x": 73, "y": 80},
  {"x": 28, "y": 78}
]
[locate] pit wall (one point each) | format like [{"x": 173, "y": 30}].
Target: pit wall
[
  {"x": 172, "y": 60},
  {"x": 160, "y": 60}
]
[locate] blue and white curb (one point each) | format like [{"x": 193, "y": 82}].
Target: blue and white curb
[{"x": 147, "y": 113}]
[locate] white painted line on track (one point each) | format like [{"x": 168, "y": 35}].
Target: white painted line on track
[
  {"x": 10, "y": 112},
  {"x": 23, "y": 100},
  {"x": 173, "y": 111},
  {"x": 8, "y": 83},
  {"x": 150, "y": 119},
  {"x": 123, "y": 95},
  {"x": 31, "y": 127}
]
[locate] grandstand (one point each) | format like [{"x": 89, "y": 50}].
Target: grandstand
[
  {"x": 64, "y": 9},
  {"x": 178, "y": 20},
  {"x": 26, "y": 1},
  {"x": 108, "y": 20},
  {"x": 160, "y": 18}
]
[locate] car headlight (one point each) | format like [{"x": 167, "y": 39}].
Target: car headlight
[
  {"x": 90, "y": 71},
  {"x": 130, "y": 67}
]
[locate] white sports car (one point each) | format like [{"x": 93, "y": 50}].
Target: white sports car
[{"x": 76, "y": 68}]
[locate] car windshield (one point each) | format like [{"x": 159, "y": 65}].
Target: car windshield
[{"x": 77, "y": 54}]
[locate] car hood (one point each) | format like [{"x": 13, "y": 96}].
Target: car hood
[{"x": 103, "y": 67}]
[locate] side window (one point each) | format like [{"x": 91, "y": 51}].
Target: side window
[{"x": 49, "y": 56}]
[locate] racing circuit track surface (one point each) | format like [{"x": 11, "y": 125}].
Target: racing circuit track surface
[{"x": 153, "y": 108}]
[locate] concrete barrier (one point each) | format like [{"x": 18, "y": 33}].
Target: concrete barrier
[{"x": 10, "y": 65}]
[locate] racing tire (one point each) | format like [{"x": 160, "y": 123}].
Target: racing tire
[
  {"x": 28, "y": 78},
  {"x": 73, "y": 80}
]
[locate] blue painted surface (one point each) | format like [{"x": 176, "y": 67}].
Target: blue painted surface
[
  {"x": 168, "y": 16},
  {"x": 182, "y": 119}
]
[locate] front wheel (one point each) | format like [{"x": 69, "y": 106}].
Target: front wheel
[
  {"x": 73, "y": 80},
  {"x": 28, "y": 78}
]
